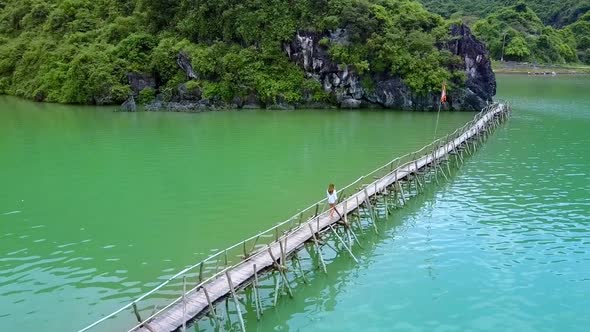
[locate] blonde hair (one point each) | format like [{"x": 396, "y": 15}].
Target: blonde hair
[{"x": 331, "y": 188}]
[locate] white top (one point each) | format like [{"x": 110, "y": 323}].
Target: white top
[{"x": 333, "y": 198}]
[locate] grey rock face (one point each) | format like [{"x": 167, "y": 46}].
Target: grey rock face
[
  {"x": 184, "y": 62},
  {"x": 350, "y": 103},
  {"x": 140, "y": 81},
  {"x": 187, "y": 94},
  {"x": 480, "y": 86},
  {"x": 129, "y": 105},
  {"x": 389, "y": 91}
]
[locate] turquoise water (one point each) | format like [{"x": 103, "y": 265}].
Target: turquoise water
[
  {"x": 99, "y": 207},
  {"x": 102, "y": 205},
  {"x": 503, "y": 246}
]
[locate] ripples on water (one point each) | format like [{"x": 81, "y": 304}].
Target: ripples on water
[
  {"x": 103, "y": 206},
  {"x": 505, "y": 246}
]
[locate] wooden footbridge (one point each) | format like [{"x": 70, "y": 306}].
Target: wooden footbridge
[{"x": 243, "y": 265}]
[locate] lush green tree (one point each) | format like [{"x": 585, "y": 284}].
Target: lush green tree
[
  {"x": 580, "y": 31},
  {"x": 557, "y": 13},
  {"x": 521, "y": 35},
  {"x": 517, "y": 49}
]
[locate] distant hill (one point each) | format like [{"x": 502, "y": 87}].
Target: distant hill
[
  {"x": 542, "y": 31},
  {"x": 557, "y": 13}
]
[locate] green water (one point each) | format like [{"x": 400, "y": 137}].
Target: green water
[
  {"x": 504, "y": 246},
  {"x": 97, "y": 206}
]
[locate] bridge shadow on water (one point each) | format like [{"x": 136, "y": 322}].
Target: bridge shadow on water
[{"x": 315, "y": 291}]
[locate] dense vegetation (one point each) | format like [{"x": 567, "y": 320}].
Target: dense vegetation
[
  {"x": 557, "y": 13},
  {"x": 545, "y": 31},
  {"x": 80, "y": 51}
]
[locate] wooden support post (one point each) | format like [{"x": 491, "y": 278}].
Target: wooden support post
[
  {"x": 370, "y": 207},
  {"x": 345, "y": 218},
  {"x": 136, "y": 312},
  {"x": 318, "y": 223},
  {"x": 298, "y": 265},
  {"x": 183, "y": 303},
  {"x": 419, "y": 183},
  {"x": 448, "y": 158},
  {"x": 443, "y": 172},
  {"x": 358, "y": 209},
  {"x": 285, "y": 250},
  {"x": 226, "y": 260},
  {"x": 256, "y": 296},
  {"x": 460, "y": 155},
  {"x": 345, "y": 212},
  {"x": 401, "y": 190},
  {"x": 386, "y": 204},
  {"x": 139, "y": 320},
  {"x": 245, "y": 252},
  {"x": 281, "y": 268},
  {"x": 435, "y": 165},
  {"x": 274, "y": 260},
  {"x": 343, "y": 243},
  {"x": 287, "y": 283},
  {"x": 254, "y": 245},
  {"x": 373, "y": 221},
  {"x": 355, "y": 237},
  {"x": 211, "y": 307},
  {"x": 417, "y": 176},
  {"x": 277, "y": 283},
  {"x": 217, "y": 264},
  {"x": 282, "y": 257},
  {"x": 201, "y": 272},
  {"x": 358, "y": 214},
  {"x": 233, "y": 293},
  {"x": 317, "y": 248}
]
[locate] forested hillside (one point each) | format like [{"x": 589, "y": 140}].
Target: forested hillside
[
  {"x": 84, "y": 51},
  {"x": 557, "y": 13},
  {"x": 543, "y": 31},
  {"x": 80, "y": 51}
]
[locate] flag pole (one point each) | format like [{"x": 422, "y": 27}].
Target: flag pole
[
  {"x": 443, "y": 97},
  {"x": 437, "y": 116}
]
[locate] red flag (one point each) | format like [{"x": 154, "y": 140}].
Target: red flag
[{"x": 443, "y": 95}]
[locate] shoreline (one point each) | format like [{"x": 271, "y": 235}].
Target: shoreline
[{"x": 524, "y": 68}]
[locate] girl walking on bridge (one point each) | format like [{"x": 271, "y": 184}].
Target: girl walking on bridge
[{"x": 332, "y": 198}]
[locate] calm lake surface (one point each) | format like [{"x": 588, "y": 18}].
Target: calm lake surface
[{"x": 96, "y": 207}]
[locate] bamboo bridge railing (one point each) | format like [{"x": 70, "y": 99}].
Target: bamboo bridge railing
[{"x": 241, "y": 265}]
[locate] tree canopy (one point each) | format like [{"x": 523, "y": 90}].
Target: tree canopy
[
  {"x": 80, "y": 51},
  {"x": 544, "y": 31}
]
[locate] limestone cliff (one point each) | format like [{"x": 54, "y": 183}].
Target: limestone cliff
[{"x": 390, "y": 91}]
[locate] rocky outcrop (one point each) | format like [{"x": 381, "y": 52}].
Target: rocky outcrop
[
  {"x": 140, "y": 81},
  {"x": 389, "y": 91},
  {"x": 129, "y": 105},
  {"x": 342, "y": 83},
  {"x": 480, "y": 86},
  {"x": 184, "y": 62},
  {"x": 186, "y": 94}
]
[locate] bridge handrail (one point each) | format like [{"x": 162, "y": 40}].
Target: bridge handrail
[{"x": 429, "y": 147}]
